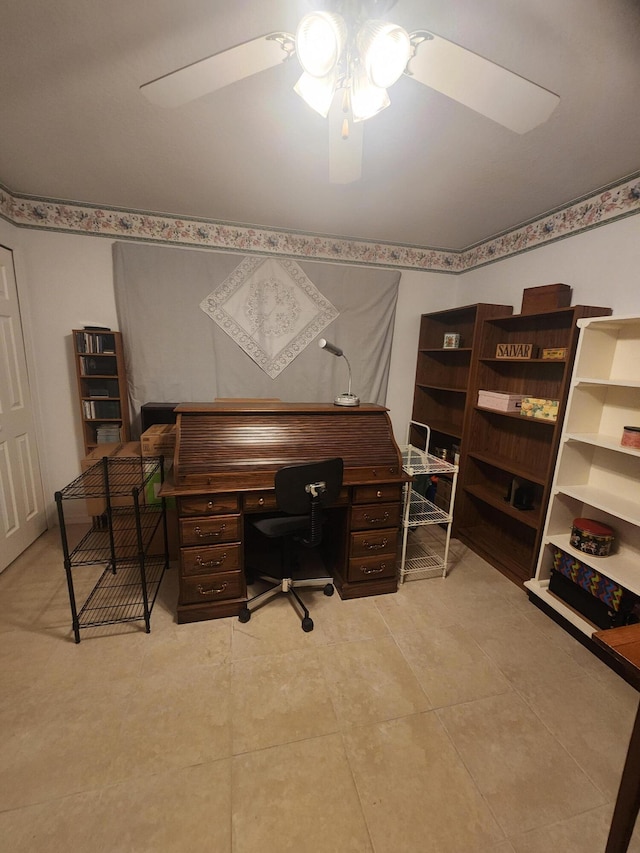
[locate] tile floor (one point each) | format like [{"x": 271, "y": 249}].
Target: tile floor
[{"x": 452, "y": 717}]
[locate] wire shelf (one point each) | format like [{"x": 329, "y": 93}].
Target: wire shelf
[
  {"x": 120, "y": 477},
  {"x": 117, "y": 543},
  {"x": 422, "y": 511},
  {"x": 95, "y": 545},
  {"x": 421, "y": 561},
  {"x": 416, "y": 461},
  {"x": 119, "y": 597}
]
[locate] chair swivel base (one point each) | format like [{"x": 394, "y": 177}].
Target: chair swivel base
[{"x": 285, "y": 586}]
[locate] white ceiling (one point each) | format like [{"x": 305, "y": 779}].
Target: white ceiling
[{"x": 74, "y": 125}]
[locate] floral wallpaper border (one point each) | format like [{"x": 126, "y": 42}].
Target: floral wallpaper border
[{"x": 607, "y": 205}]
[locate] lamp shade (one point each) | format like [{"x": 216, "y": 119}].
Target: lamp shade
[
  {"x": 317, "y": 92},
  {"x": 320, "y": 40},
  {"x": 385, "y": 49},
  {"x": 366, "y": 99}
]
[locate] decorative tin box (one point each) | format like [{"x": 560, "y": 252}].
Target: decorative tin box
[
  {"x": 537, "y": 407},
  {"x": 499, "y": 401},
  {"x": 631, "y": 436},
  {"x": 591, "y": 537}
]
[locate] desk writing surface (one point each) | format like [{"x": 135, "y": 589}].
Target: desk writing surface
[{"x": 623, "y": 644}]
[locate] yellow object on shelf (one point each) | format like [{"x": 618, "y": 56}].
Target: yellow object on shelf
[{"x": 538, "y": 407}]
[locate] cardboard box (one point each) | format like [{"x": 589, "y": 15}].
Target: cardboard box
[
  {"x": 537, "y": 407},
  {"x": 96, "y": 506},
  {"x": 545, "y": 298},
  {"x": 499, "y": 401},
  {"x": 159, "y": 440}
]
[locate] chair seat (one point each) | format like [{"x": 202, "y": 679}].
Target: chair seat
[{"x": 282, "y": 525}]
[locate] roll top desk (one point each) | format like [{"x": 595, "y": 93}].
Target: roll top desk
[{"x": 225, "y": 460}]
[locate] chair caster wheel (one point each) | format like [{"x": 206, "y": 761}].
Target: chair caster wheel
[
  {"x": 329, "y": 589},
  {"x": 244, "y": 615},
  {"x": 307, "y": 624}
]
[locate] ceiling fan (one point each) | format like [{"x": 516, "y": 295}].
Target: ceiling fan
[{"x": 349, "y": 58}]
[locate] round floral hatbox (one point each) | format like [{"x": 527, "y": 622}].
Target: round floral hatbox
[{"x": 592, "y": 537}]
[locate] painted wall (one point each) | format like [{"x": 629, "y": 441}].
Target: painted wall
[{"x": 66, "y": 281}]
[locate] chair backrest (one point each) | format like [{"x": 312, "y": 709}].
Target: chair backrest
[{"x": 292, "y": 483}]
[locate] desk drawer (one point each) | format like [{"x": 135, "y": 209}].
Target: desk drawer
[
  {"x": 375, "y": 515},
  {"x": 209, "y": 531},
  {"x": 259, "y": 501},
  {"x": 210, "y": 558},
  {"x": 374, "y": 543},
  {"x": 377, "y": 493},
  {"x": 368, "y": 568},
  {"x": 208, "y": 504},
  {"x": 212, "y": 587}
]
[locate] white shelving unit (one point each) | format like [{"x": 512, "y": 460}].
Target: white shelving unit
[
  {"x": 422, "y": 557},
  {"x": 595, "y": 476}
]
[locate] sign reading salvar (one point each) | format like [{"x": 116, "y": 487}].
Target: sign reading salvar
[{"x": 514, "y": 351}]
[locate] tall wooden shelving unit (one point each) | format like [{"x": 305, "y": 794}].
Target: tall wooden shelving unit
[
  {"x": 102, "y": 385},
  {"x": 443, "y": 375},
  {"x": 500, "y": 447},
  {"x": 596, "y": 476}
]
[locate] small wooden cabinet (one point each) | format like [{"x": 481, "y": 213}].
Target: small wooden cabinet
[
  {"x": 102, "y": 387},
  {"x": 504, "y": 452}
]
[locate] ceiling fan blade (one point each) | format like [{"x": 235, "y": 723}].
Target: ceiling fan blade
[
  {"x": 345, "y": 154},
  {"x": 208, "y": 75},
  {"x": 481, "y": 85}
]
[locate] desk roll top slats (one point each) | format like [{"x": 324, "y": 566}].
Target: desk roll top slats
[{"x": 225, "y": 461}]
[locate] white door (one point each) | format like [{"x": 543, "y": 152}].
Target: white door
[{"x": 22, "y": 514}]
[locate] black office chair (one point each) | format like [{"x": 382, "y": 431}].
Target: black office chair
[{"x": 302, "y": 491}]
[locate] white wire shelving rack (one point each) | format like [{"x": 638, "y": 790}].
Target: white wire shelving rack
[{"x": 425, "y": 556}]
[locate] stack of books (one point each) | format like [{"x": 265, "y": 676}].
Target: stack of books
[{"x": 107, "y": 434}]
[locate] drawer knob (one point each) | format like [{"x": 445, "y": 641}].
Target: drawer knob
[
  {"x": 207, "y": 534},
  {"x": 378, "y": 520},
  {"x": 375, "y": 546},
  {"x": 209, "y": 563},
  {"x": 214, "y": 590},
  {"x": 261, "y": 501},
  {"x": 366, "y": 570},
  {"x": 210, "y": 505},
  {"x": 378, "y": 494}
]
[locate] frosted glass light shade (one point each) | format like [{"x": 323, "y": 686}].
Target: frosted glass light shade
[
  {"x": 366, "y": 99},
  {"x": 320, "y": 40},
  {"x": 317, "y": 92},
  {"x": 385, "y": 49}
]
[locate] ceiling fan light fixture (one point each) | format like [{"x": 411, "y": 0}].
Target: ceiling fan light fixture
[
  {"x": 317, "y": 92},
  {"x": 385, "y": 50},
  {"x": 320, "y": 41},
  {"x": 366, "y": 99}
]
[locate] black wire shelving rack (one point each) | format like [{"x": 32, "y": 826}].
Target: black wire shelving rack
[{"x": 117, "y": 543}]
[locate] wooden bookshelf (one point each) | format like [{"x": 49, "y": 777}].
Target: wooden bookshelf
[
  {"x": 102, "y": 387},
  {"x": 499, "y": 448}
]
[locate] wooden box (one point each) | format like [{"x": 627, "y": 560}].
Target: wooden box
[{"x": 545, "y": 298}]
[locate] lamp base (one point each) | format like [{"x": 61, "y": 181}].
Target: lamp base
[{"x": 346, "y": 399}]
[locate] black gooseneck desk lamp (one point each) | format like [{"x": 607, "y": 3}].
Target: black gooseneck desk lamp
[{"x": 346, "y": 399}]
